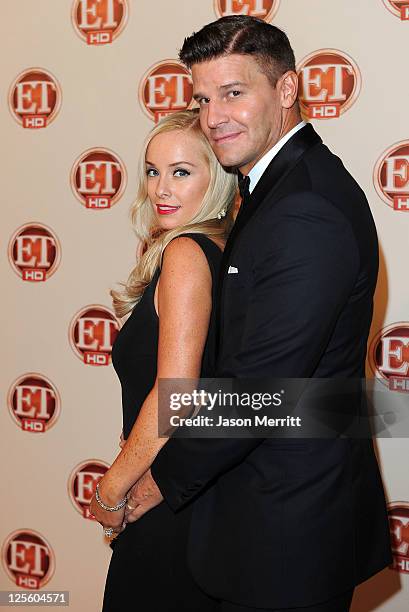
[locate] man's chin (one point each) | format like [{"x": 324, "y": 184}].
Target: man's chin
[{"x": 226, "y": 160}]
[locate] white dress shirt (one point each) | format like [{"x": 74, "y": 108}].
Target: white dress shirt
[{"x": 259, "y": 168}]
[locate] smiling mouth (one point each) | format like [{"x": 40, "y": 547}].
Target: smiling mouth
[
  {"x": 165, "y": 209},
  {"x": 226, "y": 138}
]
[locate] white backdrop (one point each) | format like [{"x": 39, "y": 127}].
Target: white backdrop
[{"x": 81, "y": 84}]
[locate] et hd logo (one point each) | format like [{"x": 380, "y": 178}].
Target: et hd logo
[
  {"x": 166, "y": 87},
  {"x": 99, "y": 22},
  {"x": 35, "y": 98},
  {"x": 399, "y": 8},
  {"x": 391, "y": 176},
  {"x": 330, "y": 83},
  {"x": 91, "y": 334},
  {"x": 98, "y": 178},
  {"x": 28, "y": 559},
  {"x": 34, "y": 252},
  {"x": 263, "y": 9}
]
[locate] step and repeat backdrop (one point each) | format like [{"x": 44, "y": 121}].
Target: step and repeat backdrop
[{"x": 82, "y": 82}]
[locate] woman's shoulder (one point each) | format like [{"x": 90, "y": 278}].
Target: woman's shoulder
[
  {"x": 204, "y": 239},
  {"x": 185, "y": 270},
  {"x": 184, "y": 252},
  {"x": 193, "y": 248}
]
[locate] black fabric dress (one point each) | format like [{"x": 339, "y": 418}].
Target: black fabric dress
[{"x": 148, "y": 570}]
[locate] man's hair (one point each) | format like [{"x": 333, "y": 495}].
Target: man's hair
[{"x": 243, "y": 35}]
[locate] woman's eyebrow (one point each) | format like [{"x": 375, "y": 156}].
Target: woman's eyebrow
[{"x": 173, "y": 164}]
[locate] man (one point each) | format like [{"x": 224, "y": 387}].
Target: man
[{"x": 279, "y": 524}]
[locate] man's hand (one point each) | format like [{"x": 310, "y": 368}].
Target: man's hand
[{"x": 143, "y": 496}]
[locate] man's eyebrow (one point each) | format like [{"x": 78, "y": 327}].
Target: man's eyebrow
[
  {"x": 174, "y": 164},
  {"x": 198, "y": 95},
  {"x": 232, "y": 84}
]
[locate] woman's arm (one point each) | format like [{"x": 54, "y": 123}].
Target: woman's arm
[{"x": 184, "y": 305}]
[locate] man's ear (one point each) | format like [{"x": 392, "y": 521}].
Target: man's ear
[{"x": 288, "y": 84}]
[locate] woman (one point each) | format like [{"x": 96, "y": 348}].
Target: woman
[{"x": 182, "y": 215}]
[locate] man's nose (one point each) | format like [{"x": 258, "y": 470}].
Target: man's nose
[{"x": 216, "y": 114}]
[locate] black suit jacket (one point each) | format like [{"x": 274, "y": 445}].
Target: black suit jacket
[{"x": 287, "y": 523}]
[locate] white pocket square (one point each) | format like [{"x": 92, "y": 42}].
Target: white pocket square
[{"x": 232, "y": 270}]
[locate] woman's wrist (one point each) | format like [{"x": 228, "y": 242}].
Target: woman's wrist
[{"x": 110, "y": 494}]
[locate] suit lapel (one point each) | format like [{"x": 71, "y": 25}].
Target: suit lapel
[{"x": 276, "y": 171}]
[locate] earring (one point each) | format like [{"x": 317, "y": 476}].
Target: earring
[{"x": 221, "y": 214}]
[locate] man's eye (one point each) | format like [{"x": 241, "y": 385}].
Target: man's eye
[
  {"x": 234, "y": 93},
  {"x": 203, "y": 101},
  {"x": 181, "y": 172},
  {"x": 151, "y": 172}
]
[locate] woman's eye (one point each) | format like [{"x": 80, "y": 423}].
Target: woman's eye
[
  {"x": 203, "y": 101},
  {"x": 151, "y": 172},
  {"x": 234, "y": 93},
  {"x": 181, "y": 172}
]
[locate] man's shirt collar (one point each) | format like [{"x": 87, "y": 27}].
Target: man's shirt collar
[{"x": 258, "y": 170}]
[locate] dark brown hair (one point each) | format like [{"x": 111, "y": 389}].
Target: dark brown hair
[{"x": 242, "y": 35}]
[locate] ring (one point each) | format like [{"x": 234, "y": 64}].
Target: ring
[
  {"x": 108, "y": 531},
  {"x": 130, "y": 507}
]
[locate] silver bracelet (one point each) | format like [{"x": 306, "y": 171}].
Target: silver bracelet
[{"x": 109, "y": 508}]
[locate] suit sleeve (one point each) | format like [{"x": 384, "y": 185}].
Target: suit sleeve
[{"x": 305, "y": 265}]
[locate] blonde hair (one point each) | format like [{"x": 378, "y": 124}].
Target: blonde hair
[{"x": 220, "y": 195}]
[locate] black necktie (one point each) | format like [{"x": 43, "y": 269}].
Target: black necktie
[{"x": 244, "y": 186}]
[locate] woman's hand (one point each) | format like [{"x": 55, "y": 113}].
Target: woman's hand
[{"x": 115, "y": 519}]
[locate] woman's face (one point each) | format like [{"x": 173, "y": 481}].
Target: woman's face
[{"x": 178, "y": 176}]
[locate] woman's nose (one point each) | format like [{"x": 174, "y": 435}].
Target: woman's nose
[{"x": 163, "y": 188}]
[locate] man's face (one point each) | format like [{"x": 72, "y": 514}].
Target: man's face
[{"x": 240, "y": 111}]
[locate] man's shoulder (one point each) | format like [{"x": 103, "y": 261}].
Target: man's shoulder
[
  {"x": 318, "y": 179},
  {"x": 328, "y": 172},
  {"x": 307, "y": 204}
]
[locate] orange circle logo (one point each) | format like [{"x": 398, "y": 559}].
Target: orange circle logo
[
  {"x": 400, "y": 8},
  {"x": 28, "y": 559},
  {"x": 34, "y": 403},
  {"x": 165, "y": 88},
  {"x": 263, "y": 9},
  {"x": 391, "y": 176},
  {"x": 99, "y": 22},
  {"x": 92, "y": 333},
  {"x": 34, "y": 252},
  {"x": 330, "y": 82},
  {"x": 398, "y": 513},
  {"x": 82, "y": 482},
  {"x": 98, "y": 178},
  {"x": 35, "y": 98},
  {"x": 388, "y": 356}
]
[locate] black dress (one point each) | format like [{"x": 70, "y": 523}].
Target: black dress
[{"x": 148, "y": 570}]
